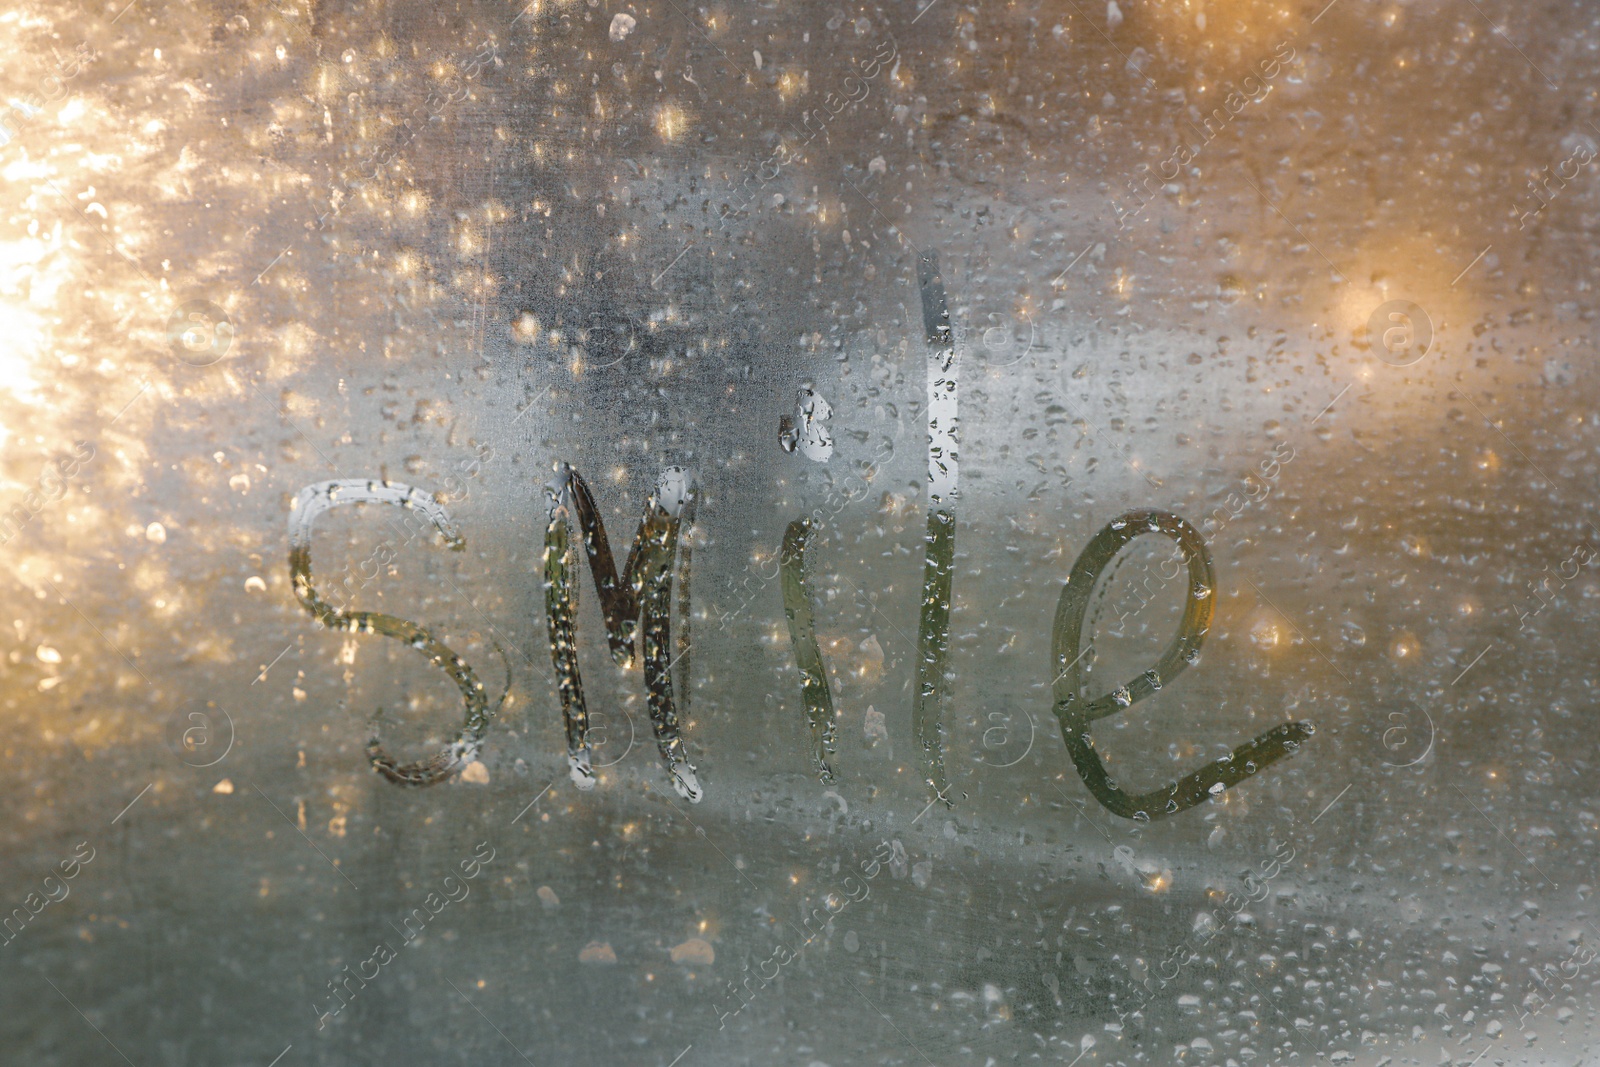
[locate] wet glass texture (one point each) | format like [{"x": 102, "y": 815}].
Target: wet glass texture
[{"x": 924, "y": 533}]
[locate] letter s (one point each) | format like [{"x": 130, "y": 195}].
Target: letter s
[{"x": 308, "y": 505}]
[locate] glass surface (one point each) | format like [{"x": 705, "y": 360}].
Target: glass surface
[{"x": 917, "y": 534}]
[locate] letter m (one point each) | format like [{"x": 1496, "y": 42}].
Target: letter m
[{"x": 642, "y": 592}]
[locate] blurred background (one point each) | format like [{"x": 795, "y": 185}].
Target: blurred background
[{"x": 1315, "y": 278}]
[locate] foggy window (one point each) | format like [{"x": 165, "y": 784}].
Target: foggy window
[{"x": 916, "y": 533}]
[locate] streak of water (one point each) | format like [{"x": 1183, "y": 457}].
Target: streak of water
[{"x": 803, "y": 636}]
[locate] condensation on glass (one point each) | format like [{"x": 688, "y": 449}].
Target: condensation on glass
[{"x": 675, "y": 535}]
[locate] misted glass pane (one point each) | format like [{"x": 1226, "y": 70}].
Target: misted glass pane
[{"x": 916, "y": 533}]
